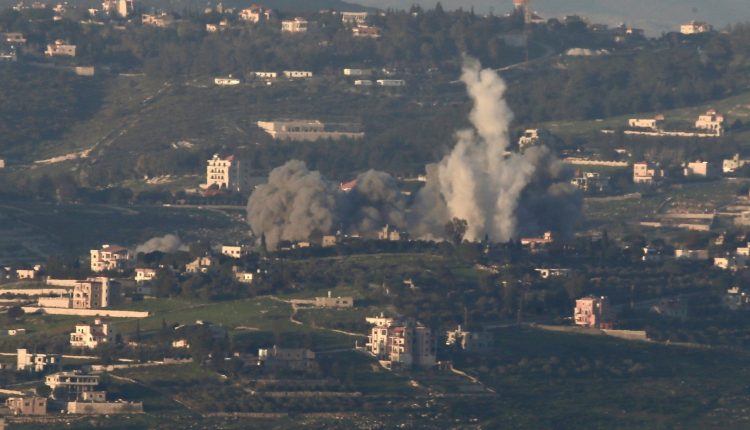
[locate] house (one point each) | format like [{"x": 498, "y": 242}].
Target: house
[
  {"x": 399, "y": 342},
  {"x": 29, "y": 274},
  {"x": 334, "y": 302},
  {"x": 310, "y": 130},
  {"x": 733, "y": 164},
  {"x": 109, "y": 257},
  {"x": 297, "y": 74},
  {"x": 15, "y": 331},
  {"x": 181, "y": 344},
  {"x": 389, "y": 233},
  {"x": 254, "y": 14},
  {"x": 691, "y": 254},
  {"x": 95, "y": 403},
  {"x": 391, "y": 82},
  {"x": 363, "y": 83},
  {"x": 144, "y": 274},
  {"x": 469, "y": 341},
  {"x": 532, "y": 136},
  {"x": 546, "y": 273},
  {"x": 228, "y": 81},
  {"x": 654, "y": 123},
  {"x": 329, "y": 241},
  {"x": 695, "y": 27},
  {"x": 221, "y": 26},
  {"x": 736, "y": 299},
  {"x": 14, "y": 38},
  {"x": 711, "y": 121},
  {"x": 699, "y": 168},
  {"x": 243, "y": 277},
  {"x": 223, "y": 173},
  {"x": 590, "y": 182},
  {"x": 366, "y": 31},
  {"x": 354, "y": 18},
  {"x": 93, "y": 335},
  {"x": 200, "y": 264},
  {"x": 296, "y": 25},
  {"x": 34, "y": 362},
  {"x": 123, "y": 8},
  {"x": 647, "y": 173},
  {"x": 357, "y": 72},
  {"x": 31, "y": 405},
  {"x": 592, "y": 312},
  {"x": 235, "y": 251},
  {"x": 60, "y": 48},
  {"x": 297, "y": 359},
  {"x": 71, "y": 384},
  {"x": 162, "y": 20}
]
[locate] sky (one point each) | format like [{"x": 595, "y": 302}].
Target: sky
[{"x": 655, "y": 16}]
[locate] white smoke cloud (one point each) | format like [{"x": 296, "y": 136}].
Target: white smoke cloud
[
  {"x": 480, "y": 181},
  {"x": 167, "y": 244}
]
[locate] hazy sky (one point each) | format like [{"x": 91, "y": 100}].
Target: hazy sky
[{"x": 655, "y": 16}]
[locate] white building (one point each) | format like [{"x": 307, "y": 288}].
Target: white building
[
  {"x": 228, "y": 81},
  {"x": 363, "y": 83},
  {"x": 711, "y": 121},
  {"x": 200, "y": 264},
  {"x": 109, "y": 257},
  {"x": 357, "y": 72},
  {"x": 92, "y": 335},
  {"x": 647, "y": 173},
  {"x": 546, "y": 273},
  {"x": 698, "y": 168},
  {"x": 162, "y": 20},
  {"x": 647, "y": 123},
  {"x": 243, "y": 277},
  {"x": 532, "y": 136},
  {"x": 391, "y": 82},
  {"x": 731, "y": 165},
  {"x": 695, "y": 27},
  {"x": 254, "y": 14},
  {"x": 389, "y": 233},
  {"x": 296, "y": 25},
  {"x": 401, "y": 342},
  {"x": 123, "y": 8},
  {"x": 310, "y": 130},
  {"x": 60, "y": 49},
  {"x": 297, "y": 74},
  {"x": 266, "y": 75},
  {"x": 73, "y": 383},
  {"x": 223, "y": 173},
  {"x": 144, "y": 274},
  {"x": 235, "y": 251},
  {"x": 36, "y": 362},
  {"x": 691, "y": 254},
  {"x": 94, "y": 293},
  {"x": 354, "y": 18}
]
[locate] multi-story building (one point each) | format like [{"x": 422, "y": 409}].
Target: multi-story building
[
  {"x": 367, "y": 31},
  {"x": 71, "y": 384},
  {"x": 296, "y": 25},
  {"x": 357, "y": 72},
  {"x": 654, "y": 123},
  {"x": 297, "y": 359},
  {"x": 297, "y": 74},
  {"x": 647, "y": 173},
  {"x": 31, "y": 405},
  {"x": 92, "y": 335},
  {"x": 310, "y": 130},
  {"x": 590, "y": 182},
  {"x": 109, "y": 257},
  {"x": 95, "y": 293},
  {"x": 593, "y": 312},
  {"x": 223, "y": 173},
  {"x": 34, "y": 362},
  {"x": 401, "y": 342},
  {"x": 695, "y": 27},
  {"x": 200, "y": 264},
  {"x": 711, "y": 121},
  {"x": 60, "y": 48},
  {"x": 469, "y": 341}
]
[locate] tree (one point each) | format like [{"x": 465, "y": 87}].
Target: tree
[
  {"x": 14, "y": 313},
  {"x": 455, "y": 230}
]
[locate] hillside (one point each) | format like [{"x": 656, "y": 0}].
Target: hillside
[
  {"x": 656, "y": 16},
  {"x": 180, "y": 5}
]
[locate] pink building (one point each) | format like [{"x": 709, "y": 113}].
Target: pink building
[{"x": 593, "y": 312}]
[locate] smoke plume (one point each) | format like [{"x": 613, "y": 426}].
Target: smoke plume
[
  {"x": 501, "y": 194},
  {"x": 167, "y": 244}
]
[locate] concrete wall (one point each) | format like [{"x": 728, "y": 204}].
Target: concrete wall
[
  {"x": 35, "y": 291},
  {"x": 62, "y": 282},
  {"x": 86, "y": 312},
  {"x": 105, "y": 408}
]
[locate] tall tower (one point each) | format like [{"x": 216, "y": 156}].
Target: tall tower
[
  {"x": 524, "y": 6},
  {"x": 125, "y": 8}
]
